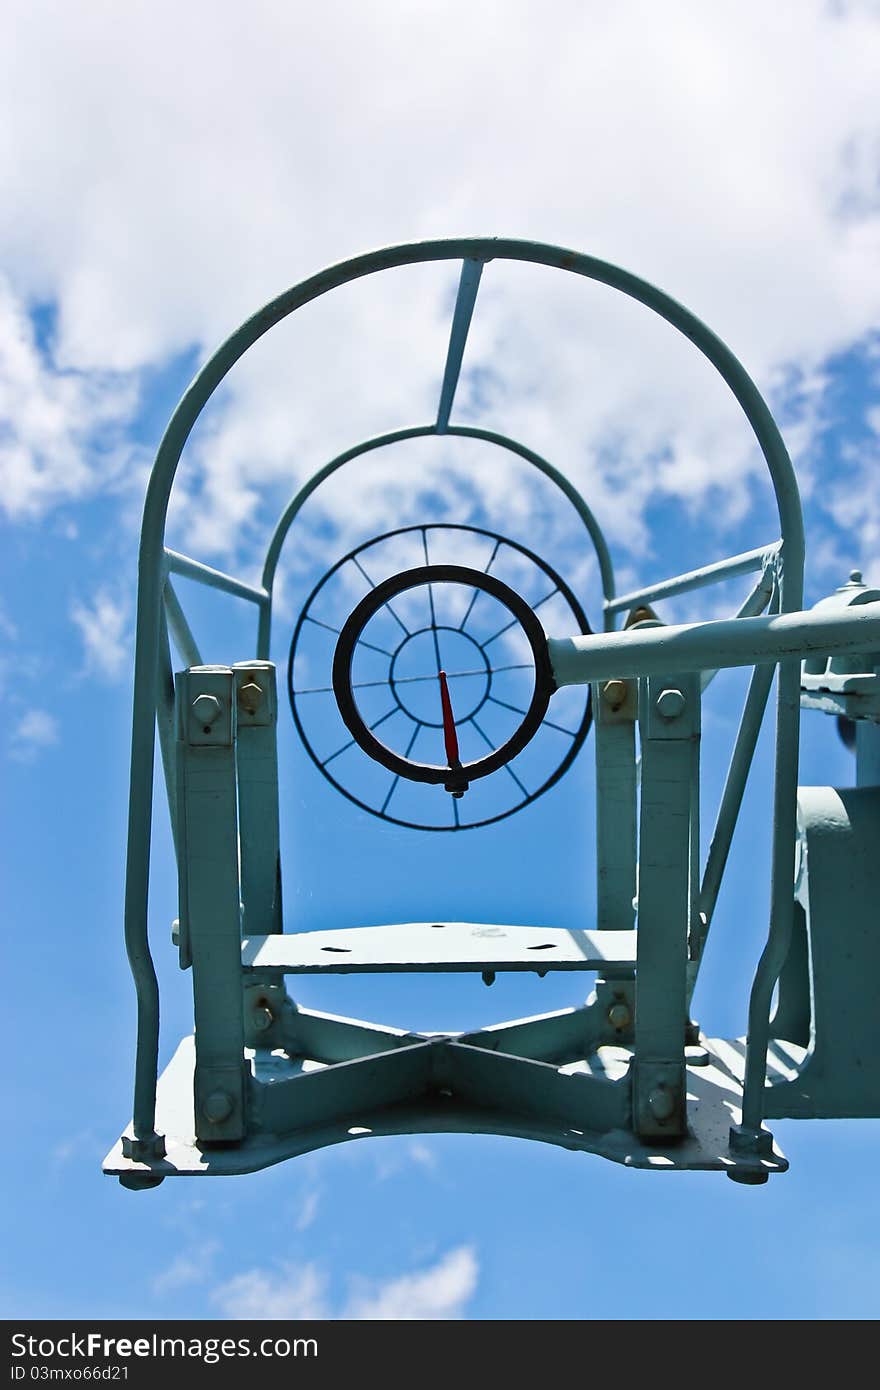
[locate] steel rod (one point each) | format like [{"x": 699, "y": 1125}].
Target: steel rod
[
  {"x": 713, "y": 645},
  {"x": 215, "y": 579},
  {"x": 180, "y": 629},
  {"x": 751, "y": 607},
  {"x": 461, "y": 322},
  {"x": 781, "y": 893},
  {"x": 696, "y": 579}
]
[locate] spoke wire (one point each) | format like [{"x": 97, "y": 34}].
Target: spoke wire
[
  {"x": 477, "y": 592},
  {"x": 356, "y": 562}
]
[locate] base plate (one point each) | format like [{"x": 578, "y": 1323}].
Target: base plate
[{"x": 713, "y": 1097}]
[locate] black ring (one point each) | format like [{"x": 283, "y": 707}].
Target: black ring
[{"x": 402, "y": 583}]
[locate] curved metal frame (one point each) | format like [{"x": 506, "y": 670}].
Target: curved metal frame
[
  {"x": 502, "y": 441},
  {"x": 153, "y": 577}
]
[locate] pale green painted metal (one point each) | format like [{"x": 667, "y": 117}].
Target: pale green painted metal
[
  {"x": 257, "y": 778},
  {"x": 669, "y": 722},
  {"x": 697, "y": 579},
  {"x": 614, "y": 723},
  {"x": 215, "y": 579},
  {"x": 838, "y": 888},
  {"x": 468, "y": 286},
  {"x": 149, "y": 648},
  {"x": 210, "y": 893},
  {"x": 181, "y": 631},
  {"x": 719, "y": 644}
]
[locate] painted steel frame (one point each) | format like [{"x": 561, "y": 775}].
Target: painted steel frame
[{"x": 159, "y": 610}]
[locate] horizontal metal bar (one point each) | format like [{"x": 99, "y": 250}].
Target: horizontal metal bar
[
  {"x": 696, "y": 579},
  {"x": 184, "y": 641},
  {"x": 215, "y": 579},
  {"x": 441, "y": 946},
  {"x": 468, "y": 285},
  {"x": 751, "y": 607},
  {"x": 714, "y": 645}
]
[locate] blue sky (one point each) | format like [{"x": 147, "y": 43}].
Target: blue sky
[{"x": 733, "y": 162}]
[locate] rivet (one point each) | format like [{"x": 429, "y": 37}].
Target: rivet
[{"x": 670, "y": 704}]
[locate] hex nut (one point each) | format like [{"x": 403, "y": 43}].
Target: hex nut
[
  {"x": 661, "y": 1103},
  {"x": 614, "y": 693},
  {"x": 250, "y": 697},
  {"x": 217, "y": 1106},
  {"x": 207, "y": 709},
  {"x": 670, "y": 704},
  {"x": 619, "y": 1016}
]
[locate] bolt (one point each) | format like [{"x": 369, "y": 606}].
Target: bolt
[
  {"x": 614, "y": 693},
  {"x": 855, "y": 576},
  {"x": 670, "y": 704},
  {"x": 263, "y": 1018},
  {"x": 217, "y": 1106},
  {"x": 661, "y": 1103},
  {"x": 250, "y": 697},
  {"x": 207, "y": 710},
  {"x": 619, "y": 1016}
]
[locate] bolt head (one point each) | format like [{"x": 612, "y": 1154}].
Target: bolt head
[
  {"x": 263, "y": 1018},
  {"x": 217, "y": 1106},
  {"x": 207, "y": 709},
  {"x": 661, "y": 1103},
  {"x": 619, "y": 1016},
  {"x": 614, "y": 693},
  {"x": 250, "y": 697},
  {"x": 670, "y": 704}
]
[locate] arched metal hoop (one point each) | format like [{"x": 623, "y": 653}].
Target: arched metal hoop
[{"x": 533, "y": 717}]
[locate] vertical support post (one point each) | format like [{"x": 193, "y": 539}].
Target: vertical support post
[
  {"x": 257, "y": 765},
  {"x": 867, "y": 753},
  {"x": 210, "y": 907},
  {"x": 165, "y": 722},
  {"x": 670, "y": 732},
  {"x": 615, "y": 707}
]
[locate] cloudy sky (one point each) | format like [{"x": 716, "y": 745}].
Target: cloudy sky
[{"x": 165, "y": 171}]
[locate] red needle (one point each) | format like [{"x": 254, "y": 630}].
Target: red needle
[{"x": 450, "y": 738}]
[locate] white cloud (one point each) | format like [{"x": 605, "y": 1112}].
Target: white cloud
[
  {"x": 728, "y": 154},
  {"x": 420, "y": 1153},
  {"x": 263, "y": 1295},
  {"x": 441, "y": 1291},
  {"x": 50, "y": 420},
  {"x": 103, "y": 626},
  {"x": 37, "y": 729},
  {"x": 309, "y": 1210},
  {"x": 189, "y": 1267}
]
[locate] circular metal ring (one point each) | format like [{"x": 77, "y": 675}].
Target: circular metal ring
[{"x": 401, "y": 584}]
